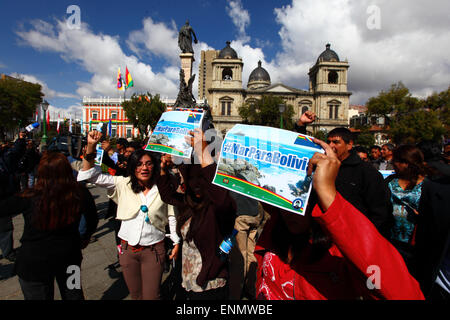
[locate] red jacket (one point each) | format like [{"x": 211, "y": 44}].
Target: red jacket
[{"x": 358, "y": 256}]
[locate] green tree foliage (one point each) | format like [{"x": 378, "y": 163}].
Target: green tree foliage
[
  {"x": 417, "y": 126},
  {"x": 320, "y": 134},
  {"x": 440, "y": 102},
  {"x": 18, "y": 102},
  {"x": 144, "y": 110},
  {"x": 410, "y": 119},
  {"x": 265, "y": 112}
]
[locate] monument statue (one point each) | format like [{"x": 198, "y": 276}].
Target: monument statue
[
  {"x": 185, "y": 97},
  {"x": 185, "y": 38}
]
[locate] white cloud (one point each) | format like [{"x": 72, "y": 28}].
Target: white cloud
[
  {"x": 73, "y": 111},
  {"x": 409, "y": 47},
  {"x": 49, "y": 93},
  {"x": 152, "y": 36},
  {"x": 240, "y": 18},
  {"x": 99, "y": 54},
  {"x": 412, "y": 46}
]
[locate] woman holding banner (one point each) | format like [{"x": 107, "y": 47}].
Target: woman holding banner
[
  {"x": 332, "y": 252},
  {"x": 144, "y": 218},
  {"x": 206, "y": 217}
]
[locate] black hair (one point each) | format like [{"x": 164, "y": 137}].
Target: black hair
[
  {"x": 360, "y": 149},
  {"x": 412, "y": 156},
  {"x": 390, "y": 146},
  {"x": 135, "y": 144},
  {"x": 431, "y": 150},
  {"x": 375, "y": 147},
  {"x": 344, "y": 133},
  {"x": 133, "y": 162},
  {"x": 123, "y": 142}
]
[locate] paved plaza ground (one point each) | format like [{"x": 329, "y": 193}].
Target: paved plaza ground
[{"x": 98, "y": 281}]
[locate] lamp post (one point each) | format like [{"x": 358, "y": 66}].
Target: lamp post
[
  {"x": 281, "y": 108},
  {"x": 44, "y": 106}
]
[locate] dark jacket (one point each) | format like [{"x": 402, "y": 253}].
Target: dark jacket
[
  {"x": 364, "y": 187},
  {"x": 218, "y": 222},
  {"x": 43, "y": 254},
  {"x": 433, "y": 231},
  {"x": 8, "y": 168}
]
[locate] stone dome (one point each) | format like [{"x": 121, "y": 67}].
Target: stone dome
[
  {"x": 228, "y": 52},
  {"x": 328, "y": 55},
  {"x": 258, "y": 78}
]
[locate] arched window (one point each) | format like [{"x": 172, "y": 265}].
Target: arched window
[
  {"x": 227, "y": 74},
  {"x": 332, "y": 77}
]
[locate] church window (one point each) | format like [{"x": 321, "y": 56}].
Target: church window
[
  {"x": 227, "y": 74},
  {"x": 333, "y": 111},
  {"x": 332, "y": 77},
  {"x": 226, "y": 107}
]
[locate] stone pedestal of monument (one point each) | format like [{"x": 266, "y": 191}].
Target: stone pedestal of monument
[{"x": 187, "y": 60}]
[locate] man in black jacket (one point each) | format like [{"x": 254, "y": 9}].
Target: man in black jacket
[
  {"x": 357, "y": 181},
  {"x": 9, "y": 185}
]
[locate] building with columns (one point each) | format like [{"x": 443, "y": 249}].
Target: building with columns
[
  {"x": 220, "y": 82},
  {"x": 100, "y": 110}
]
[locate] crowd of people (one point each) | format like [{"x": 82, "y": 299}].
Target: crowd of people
[{"x": 357, "y": 221}]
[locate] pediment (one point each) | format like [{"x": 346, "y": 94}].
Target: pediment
[{"x": 280, "y": 88}]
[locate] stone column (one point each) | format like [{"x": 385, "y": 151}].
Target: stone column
[{"x": 187, "y": 59}]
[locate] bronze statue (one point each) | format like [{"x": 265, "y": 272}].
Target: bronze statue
[
  {"x": 185, "y": 38},
  {"x": 185, "y": 97}
]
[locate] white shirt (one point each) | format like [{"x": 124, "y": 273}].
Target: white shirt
[
  {"x": 134, "y": 231},
  {"x": 137, "y": 230}
]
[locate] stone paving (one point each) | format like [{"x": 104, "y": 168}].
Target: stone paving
[{"x": 98, "y": 281}]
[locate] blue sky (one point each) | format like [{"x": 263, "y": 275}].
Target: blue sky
[{"x": 408, "y": 42}]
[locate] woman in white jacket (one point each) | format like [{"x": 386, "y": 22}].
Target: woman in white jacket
[{"x": 144, "y": 218}]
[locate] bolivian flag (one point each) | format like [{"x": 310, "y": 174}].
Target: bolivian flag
[
  {"x": 304, "y": 141},
  {"x": 128, "y": 78}
]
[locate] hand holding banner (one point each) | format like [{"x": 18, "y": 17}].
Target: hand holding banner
[
  {"x": 267, "y": 164},
  {"x": 169, "y": 134}
]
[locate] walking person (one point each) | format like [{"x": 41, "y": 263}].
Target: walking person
[
  {"x": 9, "y": 185},
  {"x": 144, "y": 218},
  {"x": 51, "y": 243}
]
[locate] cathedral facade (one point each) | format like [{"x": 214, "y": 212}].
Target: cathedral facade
[{"x": 220, "y": 82}]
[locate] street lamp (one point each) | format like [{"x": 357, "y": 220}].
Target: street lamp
[
  {"x": 281, "y": 108},
  {"x": 44, "y": 106}
]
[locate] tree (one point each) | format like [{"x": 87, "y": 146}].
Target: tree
[
  {"x": 410, "y": 119},
  {"x": 440, "y": 102},
  {"x": 365, "y": 138},
  {"x": 416, "y": 127},
  {"x": 320, "y": 134},
  {"x": 18, "y": 102},
  {"x": 265, "y": 112},
  {"x": 144, "y": 110}
]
